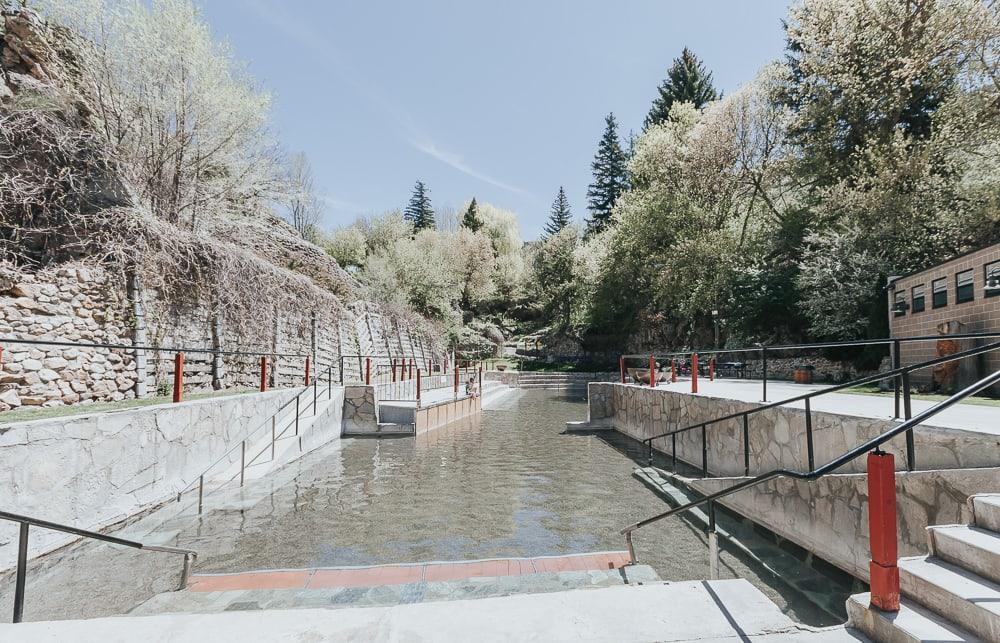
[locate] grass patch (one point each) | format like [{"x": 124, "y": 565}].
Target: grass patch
[
  {"x": 26, "y": 413},
  {"x": 871, "y": 389}
]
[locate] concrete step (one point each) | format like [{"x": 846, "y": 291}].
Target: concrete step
[
  {"x": 972, "y": 548},
  {"x": 966, "y": 599},
  {"x": 986, "y": 508},
  {"x": 911, "y": 624}
]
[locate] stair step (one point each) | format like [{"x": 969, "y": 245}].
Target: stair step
[
  {"x": 971, "y": 548},
  {"x": 968, "y": 600},
  {"x": 911, "y": 624},
  {"x": 986, "y": 507}
]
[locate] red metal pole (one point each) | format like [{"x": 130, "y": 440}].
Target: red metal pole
[
  {"x": 711, "y": 370},
  {"x": 694, "y": 373},
  {"x": 884, "y": 575},
  {"x": 307, "y": 370},
  {"x": 652, "y": 371},
  {"x": 418, "y": 387},
  {"x": 456, "y": 377},
  {"x": 673, "y": 370},
  {"x": 263, "y": 373},
  {"x": 621, "y": 367},
  {"x": 368, "y": 371},
  {"x": 178, "y": 376}
]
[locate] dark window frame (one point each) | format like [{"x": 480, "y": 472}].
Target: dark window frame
[
  {"x": 986, "y": 276},
  {"x": 916, "y": 307},
  {"x": 899, "y": 298},
  {"x": 965, "y": 292},
  {"x": 935, "y": 291}
]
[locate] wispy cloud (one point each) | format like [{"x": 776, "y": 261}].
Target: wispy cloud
[{"x": 454, "y": 160}]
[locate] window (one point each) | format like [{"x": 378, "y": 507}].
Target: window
[
  {"x": 964, "y": 288},
  {"x": 917, "y": 298},
  {"x": 899, "y": 303},
  {"x": 992, "y": 272},
  {"x": 939, "y": 293}
]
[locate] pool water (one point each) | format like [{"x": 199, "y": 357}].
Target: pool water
[{"x": 509, "y": 483}]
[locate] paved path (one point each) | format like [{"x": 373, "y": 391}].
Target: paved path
[{"x": 969, "y": 417}]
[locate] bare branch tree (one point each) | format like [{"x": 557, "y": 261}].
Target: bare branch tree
[{"x": 304, "y": 211}]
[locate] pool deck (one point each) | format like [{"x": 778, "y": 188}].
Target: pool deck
[{"x": 966, "y": 417}]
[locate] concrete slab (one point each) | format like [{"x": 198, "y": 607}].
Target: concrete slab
[
  {"x": 730, "y": 610},
  {"x": 968, "y": 417}
]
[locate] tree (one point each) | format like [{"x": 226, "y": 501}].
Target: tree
[
  {"x": 304, "y": 211},
  {"x": 687, "y": 81},
  {"x": 419, "y": 211},
  {"x": 554, "y": 275},
  {"x": 471, "y": 220},
  {"x": 610, "y": 177},
  {"x": 560, "y": 216}
]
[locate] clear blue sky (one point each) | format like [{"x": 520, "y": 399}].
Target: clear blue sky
[{"x": 504, "y": 101}]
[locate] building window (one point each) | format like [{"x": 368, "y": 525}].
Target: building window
[
  {"x": 939, "y": 293},
  {"x": 992, "y": 278},
  {"x": 917, "y": 298},
  {"x": 899, "y": 303},
  {"x": 964, "y": 287}
]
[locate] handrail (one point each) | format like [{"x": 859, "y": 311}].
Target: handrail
[
  {"x": 133, "y": 347},
  {"x": 819, "y": 471},
  {"x": 902, "y": 371},
  {"x": 22, "y": 551}
]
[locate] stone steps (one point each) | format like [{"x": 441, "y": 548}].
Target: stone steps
[
  {"x": 911, "y": 624},
  {"x": 986, "y": 511},
  {"x": 965, "y": 599},
  {"x": 975, "y": 549}
]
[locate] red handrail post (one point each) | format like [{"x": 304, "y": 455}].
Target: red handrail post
[
  {"x": 652, "y": 371},
  {"x": 368, "y": 371},
  {"x": 882, "y": 526},
  {"x": 392, "y": 368},
  {"x": 673, "y": 371},
  {"x": 621, "y": 367},
  {"x": 694, "y": 372},
  {"x": 418, "y": 388},
  {"x": 456, "y": 377},
  {"x": 178, "y": 376},
  {"x": 307, "y": 370},
  {"x": 263, "y": 373},
  {"x": 711, "y": 370}
]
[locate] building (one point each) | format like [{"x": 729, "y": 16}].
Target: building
[{"x": 959, "y": 296}]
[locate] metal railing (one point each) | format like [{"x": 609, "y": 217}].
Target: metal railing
[
  {"x": 813, "y": 473},
  {"x": 902, "y": 372},
  {"x": 765, "y": 352},
  {"x": 22, "y": 552},
  {"x": 294, "y": 409}
]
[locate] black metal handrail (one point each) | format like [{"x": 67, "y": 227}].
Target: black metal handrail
[
  {"x": 813, "y": 474},
  {"x": 22, "y": 552},
  {"x": 134, "y": 347},
  {"x": 901, "y": 372}
]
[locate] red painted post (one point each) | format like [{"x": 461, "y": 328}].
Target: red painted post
[
  {"x": 263, "y": 373},
  {"x": 694, "y": 373},
  {"x": 711, "y": 370},
  {"x": 652, "y": 371},
  {"x": 456, "y": 377},
  {"x": 307, "y": 370},
  {"x": 884, "y": 574},
  {"x": 621, "y": 367},
  {"x": 368, "y": 371},
  {"x": 673, "y": 371},
  {"x": 418, "y": 388},
  {"x": 178, "y": 376}
]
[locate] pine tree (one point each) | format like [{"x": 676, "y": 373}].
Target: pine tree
[
  {"x": 610, "y": 169},
  {"x": 419, "y": 211},
  {"x": 687, "y": 81},
  {"x": 560, "y": 216},
  {"x": 470, "y": 219}
]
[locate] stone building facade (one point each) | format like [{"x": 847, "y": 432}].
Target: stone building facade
[{"x": 947, "y": 299}]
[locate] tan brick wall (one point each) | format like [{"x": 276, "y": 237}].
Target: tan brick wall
[{"x": 980, "y": 315}]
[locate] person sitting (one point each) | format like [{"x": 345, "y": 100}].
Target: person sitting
[{"x": 472, "y": 387}]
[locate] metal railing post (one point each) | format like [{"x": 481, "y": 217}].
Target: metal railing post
[
  {"x": 809, "y": 437},
  {"x": 22, "y": 570},
  {"x": 178, "y": 376},
  {"x": 911, "y": 456},
  {"x": 673, "y": 370},
  {"x": 746, "y": 444},
  {"x": 201, "y": 491},
  {"x": 673, "y": 451},
  {"x": 368, "y": 371},
  {"x": 711, "y": 370},
  {"x": 894, "y": 348},
  {"x": 418, "y": 388},
  {"x": 341, "y": 366},
  {"x": 713, "y": 544},
  {"x": 704, "y": 451},
  {"x": 621, "y": 368},
  {"x": 307, "y": 370},
  {"x": 652, "y": 371},
  {"x": 263, "y": 373},
  {"x": 243, "y": 460},
  {"x": 274, "y": 436},
  {"x": 884, "y": 574},
  {"x": 694, "y": 372},
  {"x": 631, "y": 550},
  {"x": 763, "y": 358},
  {"x": 296, "y": 424}
]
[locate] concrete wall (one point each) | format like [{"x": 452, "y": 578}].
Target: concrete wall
[
  {"x": 360, "y": 410},
  {"x": 829, "y": 516},
  {"x": 91, "y": 471},
  {"x": 432, "y": 417},
  {"x": 777, "y": 436}
]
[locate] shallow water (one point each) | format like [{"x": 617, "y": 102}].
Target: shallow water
[{"x": 508, "y": 483}]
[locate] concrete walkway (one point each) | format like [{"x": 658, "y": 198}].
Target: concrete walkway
[
  {"x": 967, "y": 417},
  {"x": 704, "y": 611}
]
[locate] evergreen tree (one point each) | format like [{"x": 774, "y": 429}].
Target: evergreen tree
[
  {"x": 419, "y": 211},
  {"x": 610, "y": 169},
  {"x": 470, "y": 219},
  {"x": 687, "y": 81},
  {"x": 560, "y": 216}
]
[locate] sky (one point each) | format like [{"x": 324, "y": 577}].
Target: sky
[{"x": 502, "y": 101}]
